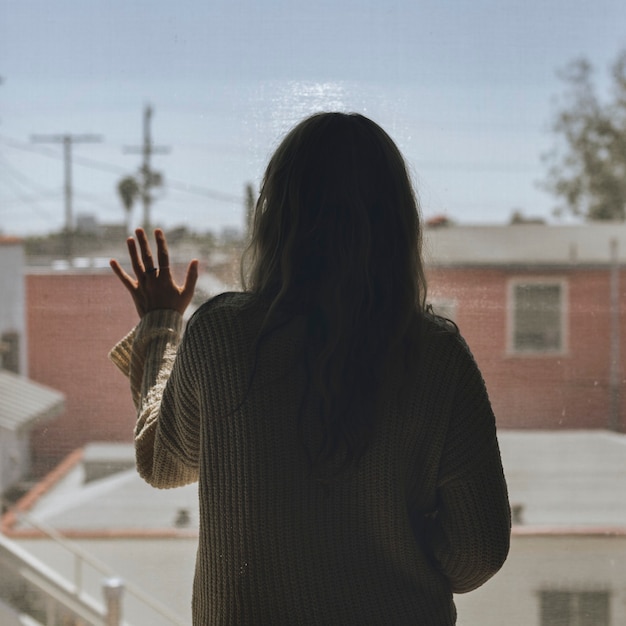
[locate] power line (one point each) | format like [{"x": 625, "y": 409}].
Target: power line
[
  {"x": 24, "y": 179},
  {"x": 16, "y": 184},
  {"x": 203, "y": 191},
  {"x": 68, "y": 141},
  {"x": 96, "y": 164}
]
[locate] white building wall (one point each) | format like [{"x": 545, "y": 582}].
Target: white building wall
[
  {"x": 577, "y": 563},
  {"x": 164, "y": 569},
  {"x": 14, "y": 457},
  {"x": 13, "y": 295}
]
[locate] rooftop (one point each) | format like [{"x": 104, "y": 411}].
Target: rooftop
[
  {"x": 563, "y": 483},
  {"x": 525, "y": 244},
  {"x": 6, "y": 240},
  {"x": 24, "y": 402},
  {"x": 565, "y": 479},
  {"x": 119, "y": 504}
]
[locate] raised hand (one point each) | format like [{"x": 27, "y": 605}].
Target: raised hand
[{"x": 154, "y": 287}]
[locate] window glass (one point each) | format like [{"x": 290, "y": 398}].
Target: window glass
[
  {"x": 574, "y": 608},
  {"x": 116, "y": 114},
  {"x": 9, "y": 351},
  {"x": 537, "y": 317}
]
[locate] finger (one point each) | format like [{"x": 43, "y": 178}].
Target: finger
[
  {"x": 126, "y": 279},
  {"x": 163, "y": 254},
  {"x": 135, "y": 261},
  {"x": 190, "y": 280},
  {"x": 144, "y": 246}
]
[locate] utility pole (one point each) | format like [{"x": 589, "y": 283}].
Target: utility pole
[
  {"x": 615, "y": 363},
  {"x": 67, "y": 140},
  {"x": 148, "y": 178}
]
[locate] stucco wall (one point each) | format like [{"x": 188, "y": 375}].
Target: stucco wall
[
  {"x": 164, "y": 568},
  {"x": 12, "y": 298},
  {"x": 550, "y": 562},
  {"x": 14, "y": 457}
]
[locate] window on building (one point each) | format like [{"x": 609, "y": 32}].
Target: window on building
[
  {"x": 574, "y": 608},
  {"x": 538, "y": 320},
  {"x": 9, "y": 352}
]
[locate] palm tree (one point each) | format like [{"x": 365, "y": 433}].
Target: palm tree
[{"x": 128, "y": 191}]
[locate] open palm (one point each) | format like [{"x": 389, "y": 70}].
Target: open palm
[{"x": 153, "y": 286}]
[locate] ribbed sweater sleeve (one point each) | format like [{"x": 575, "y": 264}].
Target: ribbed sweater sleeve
[
  {"x": 166, "y": 432},
  {"x": 472, "y": 528}
]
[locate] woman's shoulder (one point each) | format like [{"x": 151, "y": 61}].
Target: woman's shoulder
[
  {"x": 443, "y": 337},
  {"x": 228, "y": 308},
  {"x": 227, "y": 322},
  {"x": 230, "y": 303},
  {"x": 438, "y": 329}
]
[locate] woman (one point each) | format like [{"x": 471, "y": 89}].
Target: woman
[{"x": 342, "y": 436}]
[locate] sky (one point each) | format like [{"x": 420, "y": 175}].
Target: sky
[{"x": 468, "y": 90}]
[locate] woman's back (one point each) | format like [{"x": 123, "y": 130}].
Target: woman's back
[{"x": 284, "y": 542}]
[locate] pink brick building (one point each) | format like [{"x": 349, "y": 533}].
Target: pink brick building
[
  {"x": 73, "y": 319},
  {"x": 543, "y": 309}
]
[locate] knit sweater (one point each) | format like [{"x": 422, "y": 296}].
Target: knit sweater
[{"x": 422, "y": 515}]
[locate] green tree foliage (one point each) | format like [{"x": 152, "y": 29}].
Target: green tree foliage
[
  {"x": 128, "y": 191},
  {"x": 587, "y": 168}
]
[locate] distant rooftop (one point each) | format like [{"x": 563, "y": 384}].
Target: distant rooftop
[
  {"x": 118, "y": 504},
  {"x": 525, "y": 244},
  {"x": 24, "y": 402},
  {"x": 566, "y": 478},
  {"x": 557, "y": 480},
  {"x": 7, "y": 240}
]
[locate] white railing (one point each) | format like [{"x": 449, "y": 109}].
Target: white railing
[
  {"x": 31, "y": 587},
  {"x": 70, "y": 598}
]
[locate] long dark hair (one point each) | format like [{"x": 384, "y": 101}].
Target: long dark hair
[{"x": 337, "y": 236}]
